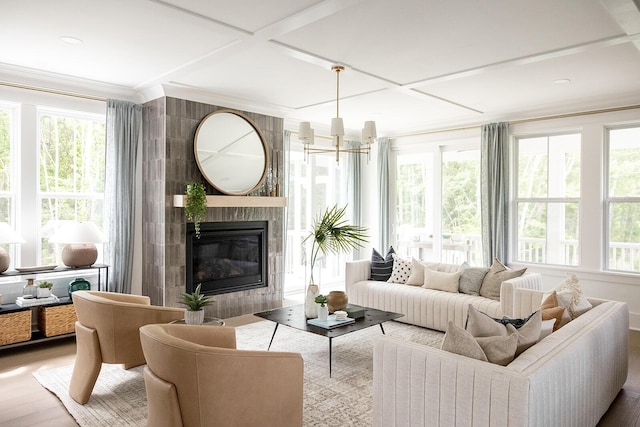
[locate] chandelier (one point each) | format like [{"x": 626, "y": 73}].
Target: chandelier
[{"x": 306, "y": 134}]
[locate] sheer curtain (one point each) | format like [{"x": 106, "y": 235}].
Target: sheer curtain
[
  {"x": 124, "y": 121},
  {"x": 495, "y": 191},
  {"x": 354, "y": 191},
  {"x": 384, "y": 147}
]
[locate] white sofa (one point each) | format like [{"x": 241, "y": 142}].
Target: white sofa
[
  {"x": 567, "y": 379},
  {"x": 428, "y": 307}
]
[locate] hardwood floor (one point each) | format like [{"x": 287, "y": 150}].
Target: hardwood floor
[{"x": 24, "y": 402}]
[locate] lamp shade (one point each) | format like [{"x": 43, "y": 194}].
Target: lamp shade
[
  {"x": 369, "y": 133},
  {"x": 78, "y": 232},
  {"x": 305, "y": 133},
  {"x": 8, "y": 235},
  {"x": 337, "y": 127}
]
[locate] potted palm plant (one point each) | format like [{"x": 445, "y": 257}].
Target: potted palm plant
[
  {"x": 196, "y": 205},
  {"x": 330, "y": 235},
  {"x": 195, "y": 302}
]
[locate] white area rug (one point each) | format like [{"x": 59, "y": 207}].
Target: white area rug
[{"x": 345, "y": 399}]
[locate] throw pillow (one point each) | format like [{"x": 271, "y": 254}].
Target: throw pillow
[
  {"x": 571, "y": 296},
  {"x": 499, "y": 350},
  {"x": 401, "y": 270},
  {"x": 381, "y": 267},
  {"x": 458, "y": 341},
  {"x": 416, "y": 278},
  {"x": 497, "y": 274},
  {"x": 552, "y": 309},
  {"x": 438, "y": 280},
  {"x": 471, "y": 279},
  {"x": 528, "y": 330}
]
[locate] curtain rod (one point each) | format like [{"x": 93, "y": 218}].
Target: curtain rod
[
  {"x": 534, "y": 119},
  {"x": 53, "y": 91}
]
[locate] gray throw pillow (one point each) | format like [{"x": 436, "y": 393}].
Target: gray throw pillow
[
  {"x": 471, "y": 280},
  {"x": 458, "y": 341},
  {"x": 499, "y": 350},
  {"x": 381, "y": 267},
  {"x": 497, "y": 274}
]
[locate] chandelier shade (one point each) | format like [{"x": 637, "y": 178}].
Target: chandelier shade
[{"x": 306, "y": 133}]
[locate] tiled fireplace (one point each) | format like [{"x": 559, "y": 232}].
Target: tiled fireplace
[{"x": 168, "y": 163}]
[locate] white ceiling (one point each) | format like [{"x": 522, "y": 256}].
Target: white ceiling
[{"x": 411, "y": 65}]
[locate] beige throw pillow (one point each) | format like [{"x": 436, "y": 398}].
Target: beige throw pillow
[
  {"x": 499, "y": 350},
  {"x": 571, "y": 296},
  {"x": 438, "y": 280},
  {"x": 497, "y": 274},
  {"x": 416, "y": 278},
  {"x": 458, "y": 341}
]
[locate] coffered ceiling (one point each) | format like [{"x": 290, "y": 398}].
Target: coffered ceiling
[{"x": 411, "y": 65}]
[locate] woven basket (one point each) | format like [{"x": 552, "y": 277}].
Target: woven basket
[
  {"x": 57, "y": 320},
  {"x": 15, "y": 327}
]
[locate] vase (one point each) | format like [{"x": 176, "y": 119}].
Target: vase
[
  {"x": 310, "y": 306},
  {"x": 323, "y": 313},
  {"x": 337, "y": 300},
  {"x": 79, "y": 284},
  {"x": 193, "y": 317}
]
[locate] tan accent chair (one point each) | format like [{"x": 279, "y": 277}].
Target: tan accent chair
[
  {"x": 108, "y": 331},
  {"x": 196, "y": 377}
]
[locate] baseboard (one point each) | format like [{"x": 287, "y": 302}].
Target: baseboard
[{"x": 634, "y": 321}]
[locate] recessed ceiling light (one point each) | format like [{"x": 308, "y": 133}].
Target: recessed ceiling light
[
  {"x": 562, "y": 81},
  {"x": 71, "y": 40}
]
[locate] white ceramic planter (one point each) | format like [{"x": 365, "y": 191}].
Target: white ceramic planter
[
  {"x": 43, "y": 292},
  {"x": 323, "y": 313},
  {"x": 194, "y": 317}
]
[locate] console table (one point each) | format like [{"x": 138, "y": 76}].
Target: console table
[{"x": 103, "y": 273}]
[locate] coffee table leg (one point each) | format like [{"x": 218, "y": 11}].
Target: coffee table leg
[
  {"x": 330, "y": 342},
  {"x": 382, "y": 329},
  {"x": 274, "y": 334}
]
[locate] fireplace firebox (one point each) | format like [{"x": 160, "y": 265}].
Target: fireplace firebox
[{"x": 228, "y": 256}]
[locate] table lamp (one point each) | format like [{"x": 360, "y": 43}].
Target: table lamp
[
  {"x": 79, "y": 239},
  {"x": 7, "y": 235}
]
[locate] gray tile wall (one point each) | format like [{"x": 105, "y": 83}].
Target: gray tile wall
[{"x": 168, "y": 164}]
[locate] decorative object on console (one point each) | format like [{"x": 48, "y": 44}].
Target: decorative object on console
[
  {"x": 332, "y": 234},
  {"x": 196, "y": 205},
  {"x": 195, "y": 302},
  {"x": 306, "y": 134},
  {"x": 231, "y": 152},
  {"x": 78, "y": 284},
  {"x": 7, "y": 235},
  {"x": 79, "y": 239},
  {"x": 44, "y": 289},
  {"x": 337, "y": 300},
  {"x": 323, "y": 310},
  {"x": 29, "y": 290}
]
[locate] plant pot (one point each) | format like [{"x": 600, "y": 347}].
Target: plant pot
[
  {"x": 43, "y": 292},
  {"x": 310, "y": 306},
  {"x": 337, "y": 300},
  {"x": 193, "y": 317},
  {"x": 323, "y": 313}
]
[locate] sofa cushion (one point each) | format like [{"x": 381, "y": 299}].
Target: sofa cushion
[
  {"x": 381, "y": 267},
  {"x": 401, "y": 270},
  {"x": 497, "y": 274},
  {"x": 528, "y": 330},
  {"x": 440, "y": 281},
  {"x": 570, "y": 295},
  {"x": 471, "y": 279}
]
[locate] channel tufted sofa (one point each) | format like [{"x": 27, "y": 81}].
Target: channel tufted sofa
[
  {"x": 429, "y": 308},
  {"x": 567, "y": 379}
]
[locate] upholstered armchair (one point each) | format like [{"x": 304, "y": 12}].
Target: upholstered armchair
[
  {"x": 108, "y": 331},
  {"x": 196, "y": 377}
]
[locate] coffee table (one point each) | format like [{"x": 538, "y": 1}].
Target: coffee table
[{"x": 293, "y": 316}]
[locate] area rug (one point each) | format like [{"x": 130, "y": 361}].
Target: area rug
[{"x": 345, "y": 399}]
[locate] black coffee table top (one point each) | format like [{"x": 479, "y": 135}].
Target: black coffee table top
[{"x": 293, "y": 316}]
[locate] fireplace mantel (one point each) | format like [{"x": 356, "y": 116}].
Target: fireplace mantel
[{"x": 179, "y": 201}]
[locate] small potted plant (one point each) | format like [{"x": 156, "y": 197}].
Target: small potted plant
[
  {"x": 196, "y": 205},
  {"x": 323, "y": 310},
  {"x": 44, "y": 289},
  {"x": 195, "y": 302}
]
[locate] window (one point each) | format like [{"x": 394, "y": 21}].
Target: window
[
  {"x": 314, "y": 185},
  {"x": 71, "y": 173},
  {"x": 548, "y": 199},
  {"x": 623, "y": 199},
  {"x": 439, "y": 225},
  {"x": 8, "y": 190}
]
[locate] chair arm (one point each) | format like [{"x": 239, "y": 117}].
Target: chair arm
[
  {"x": 508, "y": 301},
  {"x": 356, "y": 271},
  {"x": 126, "y": 298},
  {"x": 413, "y": 385}
]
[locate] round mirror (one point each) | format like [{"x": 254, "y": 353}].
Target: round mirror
[{"x": 231, "y": 152}]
